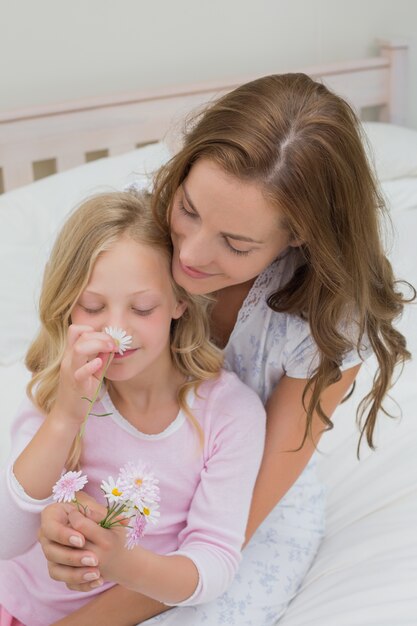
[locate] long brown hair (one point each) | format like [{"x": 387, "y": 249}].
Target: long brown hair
[
  {"x": 303, "y": 146},
  {"x": 92, "y": 229}
]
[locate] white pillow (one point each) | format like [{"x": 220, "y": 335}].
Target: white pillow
[
  {"x": 400, "y": 194},
  {"x": 393, "y": 150},
  {"x": 29, "y": 220}
]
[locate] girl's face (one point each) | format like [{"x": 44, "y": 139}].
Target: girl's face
[
  {"x": 223, "y": 229},
  {"x": 130, "y": 288}
]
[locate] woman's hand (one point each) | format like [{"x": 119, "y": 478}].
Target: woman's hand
[
  {"x": 82, "y": 364},
  {"x": 68, "y": 559}
]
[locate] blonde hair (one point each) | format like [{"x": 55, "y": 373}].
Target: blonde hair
[
  {"x": 91, "y": 230},
  {"x": 302, "y": 145}
]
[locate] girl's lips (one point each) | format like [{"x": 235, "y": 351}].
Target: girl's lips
[
  {"x": 126, "y": 353},
  {"x": 190, "y": 271}
]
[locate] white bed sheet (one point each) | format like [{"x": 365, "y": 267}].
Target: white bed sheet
[{"x": 366, "y": 569}]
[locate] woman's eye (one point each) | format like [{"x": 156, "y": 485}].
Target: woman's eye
[
  {"x": 235, "y": 251},
  {"x": 185, "y": 211}
]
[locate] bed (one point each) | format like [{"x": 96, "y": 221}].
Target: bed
[{"x": 366, "y": 571}]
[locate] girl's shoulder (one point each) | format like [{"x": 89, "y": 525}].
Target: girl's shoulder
[{"x": 228, "y": 395}]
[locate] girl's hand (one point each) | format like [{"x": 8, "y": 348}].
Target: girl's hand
[
  {"x": 69, "y": 560},
  {"x": 84, "y": 358},
  {"x": 107, "y": 544}
]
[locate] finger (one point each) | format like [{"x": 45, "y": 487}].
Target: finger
[
  {"x": 88, "y": 369},
  {"x": 88, "y": 528},
  {"x": 92, "y": 506},
  {"x": 74, "y": 576},
  {"x": 86, "y": 350},
  {"x": 87, "y": 586},
  {"x": 57, "y": 554},
  {"x": 97, "y": 515},
  {"x": 91, "y": 346},
  {"x": 55, "y": 526},
  {"x": 75, "y": 331}
]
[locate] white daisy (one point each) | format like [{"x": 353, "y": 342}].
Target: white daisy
[
  {"x": 151, "y": 513},
  {"x": 120, "y": 337},
  {"x": 112, "y": 490}
]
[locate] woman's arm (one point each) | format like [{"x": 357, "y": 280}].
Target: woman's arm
[
  {"x": 279, "y": 470},
  {"x": 285, "y": 430}
]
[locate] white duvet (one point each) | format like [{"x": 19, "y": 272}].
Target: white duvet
[{"x": 366, "y": 570}]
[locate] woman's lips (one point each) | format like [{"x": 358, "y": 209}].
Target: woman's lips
[{"x": 190, "y": 271}]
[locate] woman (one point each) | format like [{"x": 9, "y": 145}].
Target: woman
[{"x": 273, "y": 208}]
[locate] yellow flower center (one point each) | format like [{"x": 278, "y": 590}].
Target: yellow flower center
[
  {"x": 146, "y": 511},
  {"x": 116, "y": 492},
  {"x": 138, "y": 482}
]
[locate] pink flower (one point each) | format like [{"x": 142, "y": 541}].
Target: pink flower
[
  {"x": 138, "y": 484},
  {"x": 67, "y": 486},
  {"x": 135, "y": 532}
]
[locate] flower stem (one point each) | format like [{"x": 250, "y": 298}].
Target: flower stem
[
  {"x": 94, "y": 398},
  {"x": 114, "y": 512}
]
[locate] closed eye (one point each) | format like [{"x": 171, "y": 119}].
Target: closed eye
[
  {"x": 143, "y": 312},
  {"x": 235, "y": 250},
  {"x": 91, "y": 311},
  {"x": 185, "y": 211},
  {"x": 193, "y": 215}
]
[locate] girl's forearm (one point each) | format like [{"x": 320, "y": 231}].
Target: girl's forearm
[
  {"x": 115, "y": 607},
  {"x": 40, "y": 464},
  {"x": 170, "y": 579}
]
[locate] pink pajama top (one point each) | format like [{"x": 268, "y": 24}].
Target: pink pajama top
[{"x": 205, "y": 494}]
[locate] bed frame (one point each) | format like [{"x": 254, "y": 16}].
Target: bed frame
[{"x": 67, "y": 134}]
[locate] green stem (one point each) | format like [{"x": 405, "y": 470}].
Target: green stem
[
  {"x": 94, "y": 398},
  {"x": 114, "y": 512}
]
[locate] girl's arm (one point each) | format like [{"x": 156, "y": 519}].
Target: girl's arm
[
  {"x": 279, "y": 470},
  {"x": 54, "y": 438},
  {"x": 20, "y": 515},
  {"x": 39, "y": 449},
  {"x": 115, "y": 607}
]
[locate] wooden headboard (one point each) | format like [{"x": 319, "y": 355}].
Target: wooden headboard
[{"x": 67, "y": 134}]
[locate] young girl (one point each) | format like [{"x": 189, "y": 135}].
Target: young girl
[
  {"x": 272, "y": 205},
  {"x": 200, "y": 430}
]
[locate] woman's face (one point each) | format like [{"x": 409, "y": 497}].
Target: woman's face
[{"x": 223, "y": 229}]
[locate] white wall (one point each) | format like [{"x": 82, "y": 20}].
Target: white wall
[{"x": 55, "y": 50}]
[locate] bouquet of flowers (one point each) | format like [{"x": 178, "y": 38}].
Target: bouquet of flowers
[{"x": 132, "y": 499}]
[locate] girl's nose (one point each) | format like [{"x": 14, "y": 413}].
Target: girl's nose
[{"x": 119, "y": 321}]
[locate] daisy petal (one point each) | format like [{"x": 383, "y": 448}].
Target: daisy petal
[{"x": 120, "y": 337}]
